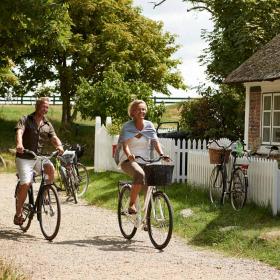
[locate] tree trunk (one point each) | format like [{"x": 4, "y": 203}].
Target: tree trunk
[{"x": 65, "y": 86}]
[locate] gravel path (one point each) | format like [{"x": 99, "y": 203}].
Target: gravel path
[{"x": 89, "y": 246}]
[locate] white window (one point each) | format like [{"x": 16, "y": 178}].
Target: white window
[{"x": 271, "y": 119}]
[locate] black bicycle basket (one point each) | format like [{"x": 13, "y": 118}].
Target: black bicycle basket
[
  {"x": 78, "y": 149},
  {"x": 158, "y": 174}
]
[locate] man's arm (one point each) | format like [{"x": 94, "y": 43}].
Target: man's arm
[
  {"x": 57, "y": 144},
  {"x": 19, "y": 145}
]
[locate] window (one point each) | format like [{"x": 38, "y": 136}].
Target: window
[{"x": 271, "y": 119}]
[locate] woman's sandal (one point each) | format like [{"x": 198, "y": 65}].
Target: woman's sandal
[
  {"x": 132, "y": 211},
  {"x": 18, "y": 220}
]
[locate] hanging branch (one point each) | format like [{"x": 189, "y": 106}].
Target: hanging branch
[
  {"x": 200, "y": 8},
  {"x": 157, "y": 3}
]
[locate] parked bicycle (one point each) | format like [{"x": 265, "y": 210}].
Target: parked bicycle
[
  {"x": 46, "y": 206},
  {"x": 273, "y": 151},
  {"x": 157, "y": 213},
  {"x": 72, "y": 174},
  {"x": 237, "y": 186}
]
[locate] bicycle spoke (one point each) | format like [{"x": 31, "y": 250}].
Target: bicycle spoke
[
  {"x": 238, "y": 190},
  {"x": 160, "y": 220},
  {"x": 49, "y": 213},
  {"x": 126, "y": 221},
  {"x": 216, "y": 186}
]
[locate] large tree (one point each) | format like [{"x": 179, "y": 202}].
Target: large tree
[
  {"x": 105, "y": 35},
  {"x": 241, "y": 27},
  {"x": 24, "y": 24}
]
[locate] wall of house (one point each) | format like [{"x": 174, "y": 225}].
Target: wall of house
[{"x": 253, "y": 109}]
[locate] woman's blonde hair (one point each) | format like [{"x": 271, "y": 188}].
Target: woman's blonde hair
[{"x": 133, "y": 105}]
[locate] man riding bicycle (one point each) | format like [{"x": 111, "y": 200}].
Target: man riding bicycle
[{"x": 32, "y": 132}]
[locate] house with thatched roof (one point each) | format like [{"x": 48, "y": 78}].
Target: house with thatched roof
[{"x": 260, "y": 74}]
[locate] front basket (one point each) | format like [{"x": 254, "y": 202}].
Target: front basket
[
  {"x": 158, "y": 174},
  {"x": 216, "y": 156}
]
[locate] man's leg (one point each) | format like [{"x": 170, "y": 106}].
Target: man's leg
[
  {"x": 25, "y": 173},
  {"x": 21, "y": 196},
  {"x": 49, "y": 170}
]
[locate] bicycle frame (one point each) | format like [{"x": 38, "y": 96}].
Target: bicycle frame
[
  {"x": 30, "y": 191},
  {"x": 235, "y": 166}
]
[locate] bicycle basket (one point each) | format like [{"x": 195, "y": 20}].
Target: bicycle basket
[
  {"x": 216, "y": 156},
  {"x": 68, "y": 157},
  {"x": 158, "y": 174},
  {"x": 78, "y": 149}
]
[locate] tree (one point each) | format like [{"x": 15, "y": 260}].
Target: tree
[
  {"x": 24, "y": 24},
  {"x": 219, "y": 113},
  {"x": 241, "y": 27},
  {"x": 105, "y": 35}
]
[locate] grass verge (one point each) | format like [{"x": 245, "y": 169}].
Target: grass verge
[
  {"x": 7, "y": 272},
  {"x": 245, "y": 233}
]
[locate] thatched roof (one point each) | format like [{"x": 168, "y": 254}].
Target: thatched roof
[{"x": 264, "y": 65}]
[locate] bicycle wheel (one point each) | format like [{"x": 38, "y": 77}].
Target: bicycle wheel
[
  {"x": 26, "y": 211},
  {"x": 160, "y": 220},
  {"x": 61, "y": 171},
  {"x": 216, "y": 186},
  {"x": 126, "y": 222},
  {"x": 238, "y": 194},
  {"x": 72, "y": 186},
  {"x": 82, "y": 179},
  {"x": 49, "y": 212}
]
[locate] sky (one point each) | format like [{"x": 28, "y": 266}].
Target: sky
[{"x": 187, "y": 26}]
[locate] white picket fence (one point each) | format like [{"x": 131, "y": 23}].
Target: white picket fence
[{"x": 191, "y": 163}]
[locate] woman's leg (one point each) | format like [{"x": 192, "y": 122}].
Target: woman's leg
[{"x": 133, "y": 169}]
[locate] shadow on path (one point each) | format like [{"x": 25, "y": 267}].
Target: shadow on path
[{"x": 107, "y": 243}]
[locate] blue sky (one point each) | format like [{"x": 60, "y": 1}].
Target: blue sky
[{"x": 187, "y": 26}]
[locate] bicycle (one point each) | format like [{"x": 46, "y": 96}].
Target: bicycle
[
  {"x": 72, "y": 174},
  {"x": 237, "y": 186},
  {"x": 157, "y": 216},
  {"x": 272, "y": 152},
  {"x": 46, "y": 206}
]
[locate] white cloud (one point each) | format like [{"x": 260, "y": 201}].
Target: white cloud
[{"x": 188, "y": 26}]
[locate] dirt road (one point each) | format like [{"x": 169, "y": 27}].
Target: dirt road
[{"x": 89, "y": 246}]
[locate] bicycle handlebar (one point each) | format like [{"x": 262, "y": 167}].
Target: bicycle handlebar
[
  {"x": 153, "y": 160},
  {"x": 53, "y": 154},
  {"x": 223, "y": 147}
]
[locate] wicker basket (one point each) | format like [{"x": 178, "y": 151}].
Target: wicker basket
[
  {"x": 158, "y": 174},
  {"x": 216, "y": 156}
]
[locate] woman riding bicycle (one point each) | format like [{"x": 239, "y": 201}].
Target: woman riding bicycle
[{"x": 137, "y": 138}]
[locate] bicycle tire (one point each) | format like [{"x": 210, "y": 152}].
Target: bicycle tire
[
  {"x": 126, "y": 224},
  {"x": 160, "y": 220},
  {"x": 61, "y": 178},
  {"x": 216, "y": 186},
  {"x": 239, "y": 189},
  {"x": 72, "y": 186},
  {"x": 82, "y": 179},
  {"x": 49, "y": 208},
  {"x": 26, "y": 211},
  {"x": 72, "y": 190}
]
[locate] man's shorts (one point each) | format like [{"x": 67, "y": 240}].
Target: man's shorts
[{"x": 26, "y": 168}]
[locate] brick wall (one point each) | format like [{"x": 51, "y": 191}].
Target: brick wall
[{"x": 254, "y": 117}]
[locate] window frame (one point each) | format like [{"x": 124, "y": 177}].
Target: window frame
[{"x": 271, "y": 111}]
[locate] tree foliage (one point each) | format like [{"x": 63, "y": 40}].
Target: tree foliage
[
  {"x": 110, "y": 42},
  {"x": 219, "y": 113},
  {"x": 241, "y": 27},
  {"x": 24, "y": 24}
]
